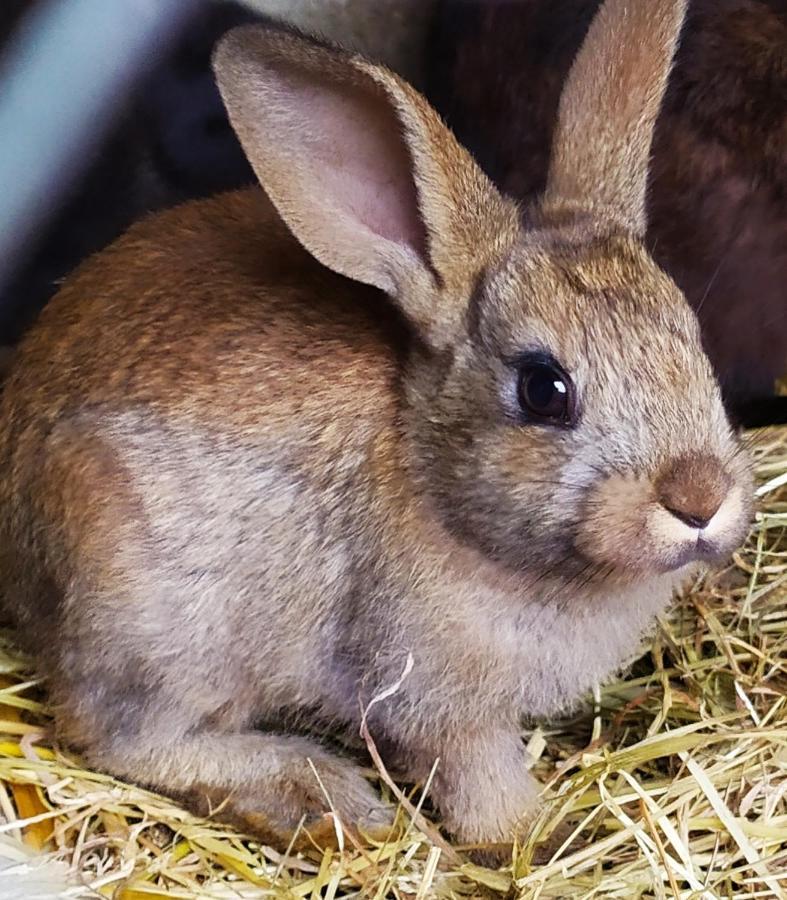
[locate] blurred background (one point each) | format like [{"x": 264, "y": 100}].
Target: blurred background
[{"x": 108, "y": 112}]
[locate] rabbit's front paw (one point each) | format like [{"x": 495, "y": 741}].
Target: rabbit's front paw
[{"x": 487, "y": 797}]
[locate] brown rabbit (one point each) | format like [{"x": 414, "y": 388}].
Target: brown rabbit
[
  {"x": 717, "y": 207},
  {"x": 254, "y": 456}
]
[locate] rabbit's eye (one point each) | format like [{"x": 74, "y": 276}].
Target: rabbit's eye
[{"x": 546, "y": 394}]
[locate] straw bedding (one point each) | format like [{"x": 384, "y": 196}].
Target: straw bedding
[{"x": 670, "y": 781}]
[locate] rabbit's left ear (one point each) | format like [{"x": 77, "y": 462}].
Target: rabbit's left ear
[
  {"x": 608, "y": 111},
  {"x": 364, "y": 173}
]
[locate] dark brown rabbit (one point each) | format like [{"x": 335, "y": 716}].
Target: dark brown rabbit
[
  {"x": 257, "y": 455},
  {"x": 717, "y": 205}
]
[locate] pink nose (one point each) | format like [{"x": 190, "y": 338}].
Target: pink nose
[{"x": 693, "y": 488}]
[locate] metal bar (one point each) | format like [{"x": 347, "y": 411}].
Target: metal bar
[{"x": 66, "y": 74}]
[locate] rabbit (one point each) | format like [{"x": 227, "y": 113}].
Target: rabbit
[
  {"x": 275, "y": 453},
  {"x": 718, "y": 200}
]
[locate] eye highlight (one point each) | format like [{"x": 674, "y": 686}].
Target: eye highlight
[{"x": 546, "y": 392}]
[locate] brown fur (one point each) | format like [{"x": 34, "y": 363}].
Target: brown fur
[
  {"x": 241, "y": 488},
  {"x": 717, "y": 206}
]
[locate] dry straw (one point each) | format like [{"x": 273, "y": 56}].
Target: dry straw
[{"x": 668, "y": 782}]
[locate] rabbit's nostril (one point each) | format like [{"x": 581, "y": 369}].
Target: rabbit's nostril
[
  {"x": 691, "y": 519},
  {"x": 693, "y": 488}
]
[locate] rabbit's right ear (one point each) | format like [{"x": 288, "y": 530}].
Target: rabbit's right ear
[
  {"x": 364, "y": 173},
  {"x": 608, "y": 110}
]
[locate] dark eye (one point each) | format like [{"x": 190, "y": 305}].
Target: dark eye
[{"x": 546, "y": 393}]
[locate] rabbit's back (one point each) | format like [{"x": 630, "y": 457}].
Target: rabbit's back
[{"x": 209, "y": 310}]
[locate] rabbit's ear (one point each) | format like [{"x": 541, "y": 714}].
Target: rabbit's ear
[
  {"x": 364, "y": 173},
  {"x": 608, "y": 110}
]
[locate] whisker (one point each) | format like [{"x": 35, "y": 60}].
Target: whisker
[
  {"x": 710, "y": 286},
  {"x": 562, "y": 594},
  {"x": 593, "y": 574},
  {"x": 551, "y": 570},
  {"x": 776, "y": 318}
]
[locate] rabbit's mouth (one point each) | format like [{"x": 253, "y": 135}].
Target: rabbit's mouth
[{"x": 700, "y": 551}]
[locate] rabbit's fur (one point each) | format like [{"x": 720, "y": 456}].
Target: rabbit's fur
[
  {"x": 717, "y": 206},
  {"x": 240, "y": 485}
]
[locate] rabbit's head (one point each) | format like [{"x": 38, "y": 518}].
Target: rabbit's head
[{"x": 560, "y": 411}]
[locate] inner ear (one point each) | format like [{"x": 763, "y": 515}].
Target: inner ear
[{"x": 357, "y": 152}]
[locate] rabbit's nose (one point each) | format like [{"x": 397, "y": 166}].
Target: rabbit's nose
[{"x": 693, "y": 488}]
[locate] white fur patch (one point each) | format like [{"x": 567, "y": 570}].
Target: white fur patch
[{"x": 668, "y": 530}]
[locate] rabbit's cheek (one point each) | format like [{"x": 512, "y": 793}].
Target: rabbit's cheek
[{"x": 613, "y": 528}]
